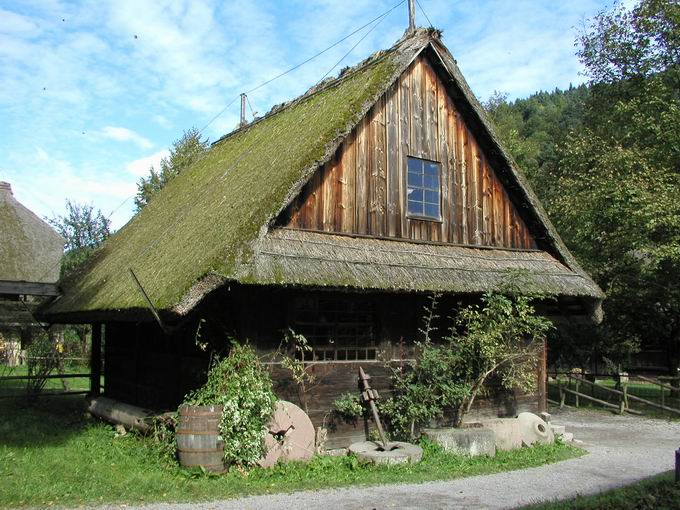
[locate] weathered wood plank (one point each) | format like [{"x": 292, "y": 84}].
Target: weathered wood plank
[
  {"x": 12, "y": 287},
  {"x": 404, "y": 145},
  {"x": 417, "y": 111},
  {"x": 392, "y": 142},
  {"x": 378, "y": 176},
  {"x": 362, "y": 169}
]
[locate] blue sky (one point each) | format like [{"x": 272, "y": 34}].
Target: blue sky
[{"x": 93, "y": 92}]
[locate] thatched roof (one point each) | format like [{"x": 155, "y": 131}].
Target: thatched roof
[
  {"x": 30, "y": 250},
  {"x": 295, "y": 257},
  {"x": 209, "y": 225}
]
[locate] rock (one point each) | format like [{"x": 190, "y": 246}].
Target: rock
[
  {"x": 534, "y": 430},
  {"x": 507, "y": 431},
  {"x": 545, "y": 416},
  {"x": 568, "y": 437},
  {"x": 464, "y": 441},
  {"x": 400, "y": 453}
]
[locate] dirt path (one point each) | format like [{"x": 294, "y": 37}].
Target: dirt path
[{"x": 622, "y": 450}]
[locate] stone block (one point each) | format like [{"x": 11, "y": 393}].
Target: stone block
[
  {"x": 464, "y": 441},
  {"x": 507, "y": 430}
]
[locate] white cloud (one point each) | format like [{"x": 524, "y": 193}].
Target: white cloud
[
  {"x": 140, "y": 167},
  {"x": 121, "y": 134}
]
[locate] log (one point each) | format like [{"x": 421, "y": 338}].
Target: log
[{"x": 118, "y": 413}]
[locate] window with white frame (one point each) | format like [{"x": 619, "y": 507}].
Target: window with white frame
[{"x": 423, "y": 191}]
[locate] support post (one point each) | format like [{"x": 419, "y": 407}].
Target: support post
[
  {"x": 96, "y": 360},
  {"x": 242, "y": 122},
  {"x": 543, "y": 380},
  {"x": 411, "y": 16}
]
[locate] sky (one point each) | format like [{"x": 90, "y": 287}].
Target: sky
[{"x": 93, "y": 92}]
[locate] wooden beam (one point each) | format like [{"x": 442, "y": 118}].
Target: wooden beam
[
  {"x": 28, "y": 288},
  {"x": 96, "y": 360}
]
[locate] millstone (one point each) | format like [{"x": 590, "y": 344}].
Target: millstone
[
  {"x": 290, "y": 435},
  {"x": 397, "y": 452},
  {"x": 534, "y": 430}
]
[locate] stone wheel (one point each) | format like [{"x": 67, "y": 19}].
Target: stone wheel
[{"x": 290, "y": 435}]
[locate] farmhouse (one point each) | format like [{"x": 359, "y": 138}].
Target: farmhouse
[
  {"x": 334, "y": 215},
  {"x": 30, "y": 252}
]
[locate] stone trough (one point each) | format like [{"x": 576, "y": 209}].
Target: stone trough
[{"x": 396, "y": 452}]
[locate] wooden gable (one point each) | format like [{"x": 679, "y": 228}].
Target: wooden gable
[{"x": 362, "y": 190}]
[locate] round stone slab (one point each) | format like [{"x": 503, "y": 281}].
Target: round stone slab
[
  {"x": 290, "y": 435},
  {"x": 534, "y": 430},
  {"x": 399, "y": 453}
]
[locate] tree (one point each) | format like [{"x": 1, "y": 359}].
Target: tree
[
  {"x": 183, "y": 153},
  {"x": 500, "y": 338},
  {"x": 84, "y": 229},
  {"x": 616, "y": 181}
]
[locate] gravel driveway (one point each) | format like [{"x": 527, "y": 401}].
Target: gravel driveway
[{"x": 622, "y": 450}]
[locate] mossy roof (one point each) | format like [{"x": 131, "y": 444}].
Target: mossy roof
[
  {"x": 204, "y": 227},
  {"x": 30, "y": 250}
]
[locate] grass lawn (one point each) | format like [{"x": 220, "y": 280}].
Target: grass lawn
[
  {"x": 51, "y": 453},
  {"x": 657, "y": 493}
]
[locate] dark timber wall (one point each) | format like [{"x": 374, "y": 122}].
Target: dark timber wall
[{"x": 147, "y": 368}]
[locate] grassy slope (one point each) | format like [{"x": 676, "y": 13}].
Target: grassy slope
[
  {"x": 51, "y": 454},
  {"x": 657, "y": 493}
]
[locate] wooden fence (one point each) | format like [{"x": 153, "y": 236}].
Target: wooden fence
[
  {"x": 11, "y": 383},
  {"x": 626, "y": 390}
]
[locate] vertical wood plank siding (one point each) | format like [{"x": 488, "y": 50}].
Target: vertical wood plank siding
[{"x": 362, "y": 190}]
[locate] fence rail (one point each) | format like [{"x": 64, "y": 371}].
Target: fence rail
[{"x": 622, "y": 393}]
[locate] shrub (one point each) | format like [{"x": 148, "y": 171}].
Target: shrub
[{"x": 243, "y": 386}]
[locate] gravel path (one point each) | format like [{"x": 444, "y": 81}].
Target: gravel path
[{"x": 622, "y": 450}]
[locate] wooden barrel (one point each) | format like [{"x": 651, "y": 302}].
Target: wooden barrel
[{"x": 198, "y": 441}]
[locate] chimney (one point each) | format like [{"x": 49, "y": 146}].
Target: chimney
[
  {"x": 243, "y": 121},
  {"x": 5, "y": 188}
]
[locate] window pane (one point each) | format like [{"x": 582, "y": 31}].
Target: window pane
[
  {"x": 432, "y": 210},
  {"x": 415, "y": 165},
  {"x": 415, "y": 179},
  {"x": 431, "y": 196},
  {"x": 432, "y": 182},
  {"x": 415, "y": 194},
  {"x": 432, "y": 169},
  {"x": 415, "y": 207}
]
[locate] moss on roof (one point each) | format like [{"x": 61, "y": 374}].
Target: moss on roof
[
  {"x": 30, "y": 250},
  {"x": 204, "y": 222}
]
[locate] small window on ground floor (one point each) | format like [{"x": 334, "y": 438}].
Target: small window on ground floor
[{"x": 337, "y": 328}]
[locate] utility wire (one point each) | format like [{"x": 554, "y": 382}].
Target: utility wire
[
  {"x": 380, "y": 19},
  {"x": 249, "y": 149},
  {"x": 426, "y": 16},
  {"x": 297, "y": 66}
]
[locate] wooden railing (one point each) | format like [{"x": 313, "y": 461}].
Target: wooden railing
[{"x": 622, "y": 397}]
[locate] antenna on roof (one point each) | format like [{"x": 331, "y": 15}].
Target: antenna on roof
[
  {"x": 411, "y": 16},
  {"x": 243, "y": 121}
]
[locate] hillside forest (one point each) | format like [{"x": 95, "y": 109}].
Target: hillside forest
[{"x": 604, "y": 158}]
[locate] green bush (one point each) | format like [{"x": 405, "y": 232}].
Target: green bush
[{"x": 243, "y": 386}]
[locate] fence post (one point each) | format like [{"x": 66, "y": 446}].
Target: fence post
[
  {"x": 96, "y": 360},
  {"x": 578, "y": 383},
  {"x": 663, "y": 396}
]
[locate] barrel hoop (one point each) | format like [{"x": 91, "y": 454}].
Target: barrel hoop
[
  {"x": 183, "y": 432},
  {"x": 206, "y": 466},
  {"x": 201, "y": 450}
]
